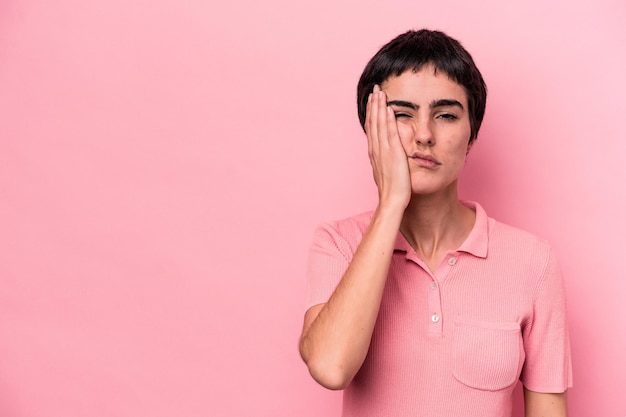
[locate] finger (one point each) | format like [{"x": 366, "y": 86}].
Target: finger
[
  {"x": 368, "y": 128},
  {"x": 392, "y": 129},
  {"x": 373, "y": 126},
  {"x": 381, "y": 121},
  {"x": 372, "y": 134}
]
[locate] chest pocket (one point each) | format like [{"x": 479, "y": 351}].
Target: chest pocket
[{"x": 487, "y": 356}]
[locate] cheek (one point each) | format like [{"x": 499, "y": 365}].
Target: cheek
[
  {"x": 461, "y": 154},
  {"x": 459, "y": 142},
  {"x": 456, "y": 151},
  {"x": 406, "y": 135},
  {"x": 463, "y": 148}
]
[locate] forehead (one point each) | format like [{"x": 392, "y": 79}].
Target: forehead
[{"x": 423, "y": 85}]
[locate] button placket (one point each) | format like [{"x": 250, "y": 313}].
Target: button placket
[
  {"x": 434, "y": 294},
  {"x": 434, "y": 305}
]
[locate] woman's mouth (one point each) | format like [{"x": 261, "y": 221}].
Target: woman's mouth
[{"x": 425, "y": 160}]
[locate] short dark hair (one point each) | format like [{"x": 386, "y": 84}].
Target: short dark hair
[{"x": 415, "y": 49}]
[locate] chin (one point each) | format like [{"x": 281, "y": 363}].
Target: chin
[
  {"x": 425, "y": 190},
  {"x": 423, "y": 187}
]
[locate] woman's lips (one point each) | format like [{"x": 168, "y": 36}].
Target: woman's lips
[{"x": 425, "y": 160}]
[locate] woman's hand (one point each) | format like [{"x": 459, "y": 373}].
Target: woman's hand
[{"x": 387, "y": 156}]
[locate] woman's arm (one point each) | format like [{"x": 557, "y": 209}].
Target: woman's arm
[
  {"x": 336, "y": 335},
  {"x": 538, "y": 404}
]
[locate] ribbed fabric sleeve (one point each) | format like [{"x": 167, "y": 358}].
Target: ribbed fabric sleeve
[
  {"x": 546, "y": 340},
  {"x": 329, "y": 256}
]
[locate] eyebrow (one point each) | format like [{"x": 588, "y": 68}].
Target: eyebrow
[{"x": 445, "y": 102}]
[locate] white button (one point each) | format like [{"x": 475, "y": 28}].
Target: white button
[
  {"x": 433, "y": 285},
  {"x": 435, "y": 318},
  {"x": 452, "y": 261}
]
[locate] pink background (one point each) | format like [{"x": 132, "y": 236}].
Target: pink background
[{"x": 163, "y": 164}]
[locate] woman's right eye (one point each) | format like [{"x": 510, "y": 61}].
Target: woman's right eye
[{"x": 400, "y": 115}]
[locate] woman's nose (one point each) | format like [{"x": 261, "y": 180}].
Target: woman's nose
[{"x": 424, "y": 134}]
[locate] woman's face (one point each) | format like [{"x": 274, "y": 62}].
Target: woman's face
[{"x": 433, "y": 122}]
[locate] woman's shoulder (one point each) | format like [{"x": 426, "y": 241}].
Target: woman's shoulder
[
  {"x": 345, "y": 233},
  {"x": 349, "y": 228},
  {"x": 517, "y": 240},
  {"x": 500, "y": 234}
]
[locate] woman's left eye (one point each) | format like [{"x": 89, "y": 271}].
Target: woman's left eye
[{"x": 447, "y": 116}]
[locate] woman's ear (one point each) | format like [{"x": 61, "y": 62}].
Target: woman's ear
[{"x": 469, "y": 146}]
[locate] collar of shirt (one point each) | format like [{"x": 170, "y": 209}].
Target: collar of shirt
[{"x": 476, "y": 243}]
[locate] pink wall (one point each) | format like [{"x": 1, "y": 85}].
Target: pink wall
[{"x": 163, "y": 164}]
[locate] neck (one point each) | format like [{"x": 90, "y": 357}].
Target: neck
[{"x": 434, "y": 224}]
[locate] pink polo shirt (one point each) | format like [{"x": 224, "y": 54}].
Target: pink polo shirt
[{"x": 454, "y": 342}]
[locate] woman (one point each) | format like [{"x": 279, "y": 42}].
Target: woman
[{"x": 426, "y": 306}]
